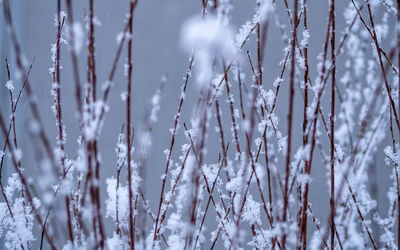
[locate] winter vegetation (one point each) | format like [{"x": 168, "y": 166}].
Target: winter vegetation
[{"x": 252, "y": 141}]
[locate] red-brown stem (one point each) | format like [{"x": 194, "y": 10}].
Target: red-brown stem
[
  {"x": 356, "y": 148},
  {"x": 35, "y": 112},
  {"x": 199, "y": 147},
  {"x": 204, "y": 6},
  {"x": 265, "y": 106},
  {"x": 228, "y": 67},
  {"x": 398, "y": 83},
  {"x": 303, "y": 230},
  {"x": 119, "y": 167},
  {"x": 59, "y": 186},
  {"x": 265, "y": 142},
  {"x": 398, "y": 86},
  {"x": 279, "y": 86},
  {"x": 305, "y": 53},
  {"x": 317, "y": 226},
  {"x": 29, "y": 92},
  {"x": 270, "y": 218},
  {"x": 97, "y": 194},
  {"x": 332, "y": 126},
  {"x": 173, "y": 189},
  {"x": 218, "y": 232},
  {"x": 286, "y": 56},
  {"x": 315, "y": 118},
  {"x": 10, "y": 124},
  {"x": 361, "y": 216},
  {"x": 12, "y": 107},
  {"x": 210, "y": 196},
  {"x": 110, "y": 78},
  {"x": 135, "y": 209},
  {"x": 241, "y": 95},
  {"x": 258, "y": 80},
  {"x": 378, "y": 48},
  {"x": 7, "y": 201},
  {"x": 249, "y": 155},
  {"x": 129, "y": 126},
  {"x": 364, "y": 122},
  {"x": 74, "y": 58},
  {"x": 29, "y": 196},
  {"x": 91, "y": 188},
  {"x": 221, "y": 132},
  {"x": 215, "y": 6},
  {"x": 232, "y": 110},
  {"x": 67, "y": 208},
  {"x": 290, "y": 119},
  {"x": 259, "y": 55},
  {"x": 379, "y": 51},
  {"x": 176, "y": 121},
  {"x": 91, "y": 57},
  {"x": 261, "y": 41},
  {"x": 93, "y": 83},
  {"x": 56, "y": 80},
  {"x": 253, "y": 232}
]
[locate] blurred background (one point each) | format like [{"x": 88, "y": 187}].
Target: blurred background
[{"x": 156, "y": 52}]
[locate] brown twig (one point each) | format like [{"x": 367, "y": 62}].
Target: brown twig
[
  {"x": 176, "y": 121},
  {"x": 290, "y": 118},
  {"x": 132, "y": 6}
]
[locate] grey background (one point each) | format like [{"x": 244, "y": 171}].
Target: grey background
[{"x": 156, "y": 37}]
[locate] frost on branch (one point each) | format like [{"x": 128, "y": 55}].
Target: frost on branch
[
  {"x": 16, "y": 226},
  {"x": 248, "y": 184}
]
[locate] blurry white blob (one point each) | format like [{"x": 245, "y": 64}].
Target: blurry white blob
[
  {"x": 78, "y": 35},
  {"x": 211, "y": 41},
  {"x": 265, "y": 11}
]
